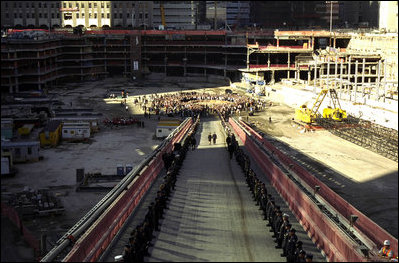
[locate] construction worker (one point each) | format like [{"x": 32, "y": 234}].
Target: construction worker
[{"x": 386, "y": 251}]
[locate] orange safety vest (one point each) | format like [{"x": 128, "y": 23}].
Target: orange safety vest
[{"x": 385, "y": 252}]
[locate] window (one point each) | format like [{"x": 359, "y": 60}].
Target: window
[
  {"x": 95, "y": 5},
  {"x": 77, "y": 5},
  {"x": 52, "y": 5},
  {"x": 127, "y": 15},
  {"x": 33, "y": 5},
  {"x": 89, "y": 15},
  {"x": 115, "y": 14},
  {"x": 17, "y": 152},
  {"x": 70, "y": 5},
  {"x": 95, "y": 15},
  {"x": 15, "y": 15},
  {"x": 45, "y": 15},
  {"x": 77, "y": 15},
  {"x": 140, "y": 16},
  {"x": 72, "y": 132},
  {"x": 107, "y": 5},
  {"x": 120, "y": 15},
  {"x": 58, "y": 5},
  {"x": 40, "y": 5},
  {"x": 146, "y": 15},
  {"x": 102, "y": 5},
  {"x": 82, "y": 5},
  {"x": 89, "y": 5},
  {"x": 7, "y": 16},
  {"x": 6, "y": 5},
  {"x": 58, "y": 15},
  {"x": 102, "y": 15},
  {"x": 20, "y": 5},
  {"x": 65, "y": 131},
  {"x": 83, "y": 15},
  {"x": 64, "y": 5},
  {"x": 15, "y": 5},
  {"x": 45, "y": 5},
  {"x": 29, "y": 150},
  {"x": 20, "y": 15},
  {"x": 52, "y": 15},
  {"x": 27, "y": 15},
  {"x": 40, "y": 15},
  {"x": 107, "y": 15},
  {"x": 159, "y": 130}
]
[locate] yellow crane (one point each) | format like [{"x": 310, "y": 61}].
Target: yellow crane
[
  {"x": 162, "y": 9},
  {"x": 307, "y": 115}
]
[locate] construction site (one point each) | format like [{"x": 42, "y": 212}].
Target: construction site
[{"x": 331, "y": 109}]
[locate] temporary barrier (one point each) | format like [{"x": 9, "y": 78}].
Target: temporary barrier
[
  {"x": 12, "y": 214},
  {"x": 363, "y": 224},
  {"x": 321, "y": 229},
  {"x": 96, "y": 239}
]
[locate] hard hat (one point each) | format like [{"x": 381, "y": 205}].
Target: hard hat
[
  {"x": 387, "y": 243},
  {"x": 285, "y": 215}
]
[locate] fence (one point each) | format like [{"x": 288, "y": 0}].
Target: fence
[
  {"x": 363, "y": 224},
  {"x": 12, "y": 214},
  {"x": 320, "y": 228},
  {"x": 96, "y": 239}
]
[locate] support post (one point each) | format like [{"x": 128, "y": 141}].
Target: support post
[
  {"x": 315, "y": 72},
  {"x": 355, "y": 86},
  {"x": 378, "y": 79},
  {"x": 341, "y": 78},
  {"x": 363, "y": 72},
  {"x": 349, "y": 73},
  {"x": 288, "y": 73}
]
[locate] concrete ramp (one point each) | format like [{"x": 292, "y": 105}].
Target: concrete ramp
[{"x": 211, "y": 215}]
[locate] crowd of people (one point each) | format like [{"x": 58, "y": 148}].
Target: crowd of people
[
  {"x": 279, "y": 224},
  {"x": 190, "y": 104},
  {"x": 140, "y": 238}
]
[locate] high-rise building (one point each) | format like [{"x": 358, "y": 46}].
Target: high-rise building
[
  {"x": 178, "y": 14},
  {"x": 85, "y": 13},
  {"x": 389, "y": 16},
  {"x": 31, "y": 14}
]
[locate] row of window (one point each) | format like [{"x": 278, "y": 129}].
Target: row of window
[
  {"x": 32, "y": 4},
  {"x": 82, "y": 5},
  {"x": 28, "y": 15},
  {"x": 33, "y": 15}
]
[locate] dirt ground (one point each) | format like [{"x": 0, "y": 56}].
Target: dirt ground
[{"x": 345, "y": 167}]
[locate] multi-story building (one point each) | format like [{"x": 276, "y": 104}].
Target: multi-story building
[
  {"x": 389, "y": 16},
  {"x": 237, "y": 13},
  {"x": 132, "y": 14},
  {"x": 178, "y": 14},
  {"x": 31, "y": 14},
  {"x": 86, "y": 13}
]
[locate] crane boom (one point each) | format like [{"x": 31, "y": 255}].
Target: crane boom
[{"x": 162, "y": 9}]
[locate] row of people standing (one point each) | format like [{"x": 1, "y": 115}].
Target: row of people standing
[
  {"x": 140, "y": 238},
  {"x": 283, "y": 232}
]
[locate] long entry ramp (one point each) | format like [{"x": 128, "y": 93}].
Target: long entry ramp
[{"x": 211, "y": 215}]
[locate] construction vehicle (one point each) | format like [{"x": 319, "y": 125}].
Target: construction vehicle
[
  {"x": 162, "y": 9},
  {"x": 309, "y": 116}
]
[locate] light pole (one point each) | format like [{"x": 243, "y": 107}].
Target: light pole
[{"x": 331, "y": 5}]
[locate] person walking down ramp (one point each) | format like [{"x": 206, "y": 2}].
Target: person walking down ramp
[
  {"x": 214, "y": 137},
  {"x": 210, "y": 138}
]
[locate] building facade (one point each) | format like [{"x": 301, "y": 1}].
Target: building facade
[
  {"x": 178, "y": 14},
  {"x": 388, "y": 19},
  {"x": 31, "y": 14}
]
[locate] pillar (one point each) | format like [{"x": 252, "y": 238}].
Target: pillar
[
  {"x": 268, "y": 60},
  {"x": 355, "y": 86},
  {"x": 328, "y": 71},
  {"x": 315, "y": 72},
  {"x": 349, "y": 71},
  {"x": 378, "y": 79},
  {"x": 288, "y": 73},
  {"x": 308, "y": 77},
  {"x": 363, "y": 72},
  {"x": 225, "y": 65},
  {"x": 385, "y": 80},
  {"x": 341, "y": 74}
]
